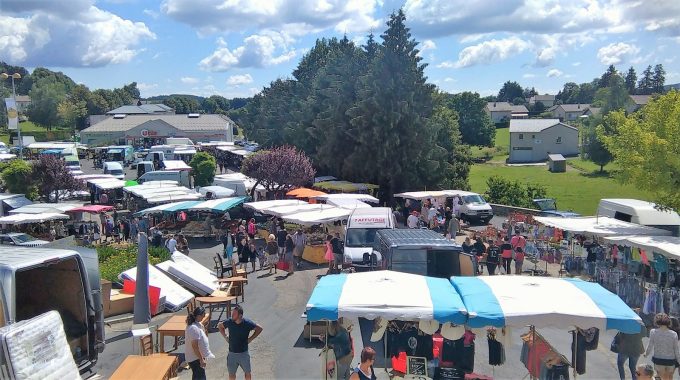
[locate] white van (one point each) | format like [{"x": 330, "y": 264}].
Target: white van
[
  {"x": 362, "y": 225},
  {"x": 115, "y": 169},
  {"x": 471, "y": 206},
  {"x": 237, "y": 185},
  {"x": 179, "y": 176},
  {"x": 640, "y": 212}
]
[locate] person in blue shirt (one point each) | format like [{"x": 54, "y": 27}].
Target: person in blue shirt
[{"x": 239, "y": 337}]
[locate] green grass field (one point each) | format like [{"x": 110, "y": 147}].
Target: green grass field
[
  {"x": 573, "y": 190},
  {"x": 502, "y": 137}
]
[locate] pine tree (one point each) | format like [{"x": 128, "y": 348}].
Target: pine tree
[
  {"x": 391, "y": 115},
  {"x": 659, "y": 79},
  {"x": 631, "y": 80},
  {"x": 604, "y": 79},
  {"x": 646, "y": 83}
]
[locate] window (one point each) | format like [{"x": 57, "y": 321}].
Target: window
[
  {"x": 521, "y": 136},
  {"x": 533, "y": 136},
  {"x": 559, "y": 140}
]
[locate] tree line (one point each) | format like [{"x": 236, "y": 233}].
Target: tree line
[{"x": 365, "y": 113}]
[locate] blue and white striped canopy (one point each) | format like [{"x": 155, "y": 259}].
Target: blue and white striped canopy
[
  {"x": 518, "y": 301},
  {"x": 168, "y": 207},
  {"x": 385, "y": 294},
  {"x": 218, "y": 205}
]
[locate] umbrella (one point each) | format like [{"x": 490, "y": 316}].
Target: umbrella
[
  {"x": 386, "y": 294},
  {"x": 518, "y": 301},
  {"x": 141, "y": 308},
  {"x": 304, "y": 192}
]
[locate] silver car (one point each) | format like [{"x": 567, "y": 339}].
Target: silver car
[{"x": 21, "y": 239}]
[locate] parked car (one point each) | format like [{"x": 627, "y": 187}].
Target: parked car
[
  {"x": 21, "y": 239},
  {"x": 548, "y": 207}
]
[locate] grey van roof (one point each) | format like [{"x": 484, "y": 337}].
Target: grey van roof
[
  {"x": 406, "y": 237},
  {"x": 13, "y": 258}
]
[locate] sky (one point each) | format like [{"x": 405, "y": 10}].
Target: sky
[{"x": 234, "y": 48}]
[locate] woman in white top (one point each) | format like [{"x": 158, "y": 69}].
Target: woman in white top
[
  {"x": 196, "y": 346},
  {"x": 664, "y": 342}
]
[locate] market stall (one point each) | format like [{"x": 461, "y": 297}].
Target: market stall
[
  {"x": 346, "y": 187},
  {"x": 32, "y": 218},
  {"x": 212, "y": 192},
  {"x": 315, "y": 248},
  {"x": 348, "y": 197},
  {"x": 600, "y": 226},
  {"x": 502, "y": 302},
  {"x": 304, "y": 193},
  {"x": 403, "y": 307},
  {"x": 262, "y": 205}
]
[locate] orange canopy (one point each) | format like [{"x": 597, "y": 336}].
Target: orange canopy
[{"x": 304, "y": 192}]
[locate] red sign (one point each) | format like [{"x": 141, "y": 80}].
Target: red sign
[{"x": 147, "y": 133}]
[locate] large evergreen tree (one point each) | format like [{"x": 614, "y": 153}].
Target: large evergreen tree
[
  {"x": 659, "y": 79},
  {"x": 646, "y": 83},
  {"x": 631, "y": 80},
  {"x": 510, "y": 91}
]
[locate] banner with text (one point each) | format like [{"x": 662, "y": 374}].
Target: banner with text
[{"x": 12, "y": 113}]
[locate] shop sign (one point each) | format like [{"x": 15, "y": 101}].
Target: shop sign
[
  {"x": 416, "y": 365},
  {"x": 148, "y": 133}
]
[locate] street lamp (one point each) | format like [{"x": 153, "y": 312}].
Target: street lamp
[{"x": 14, "y": 96}]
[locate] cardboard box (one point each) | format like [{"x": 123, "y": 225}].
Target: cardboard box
[
  {"x": 121, "y": 303},
  {"x": 106, "y": 296}
]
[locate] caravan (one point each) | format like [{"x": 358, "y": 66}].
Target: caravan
[
  {"x": 640, "y": 212},
  {"x": 181, "y": 177}
]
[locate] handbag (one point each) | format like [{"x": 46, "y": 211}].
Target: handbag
[{"x": 615, "y": 346}]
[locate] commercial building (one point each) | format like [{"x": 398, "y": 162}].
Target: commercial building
[{"x": 147, "y": 130}]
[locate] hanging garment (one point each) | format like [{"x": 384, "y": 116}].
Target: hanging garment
[
  {"x": 578, "y": 352},
  {"x": 496, "y": 352},
  {"x": 660, "y": 263}
]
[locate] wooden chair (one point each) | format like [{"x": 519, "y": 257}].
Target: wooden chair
[
  {"x": 146, "y": 345},
  {"x": 220, "y": 267}
]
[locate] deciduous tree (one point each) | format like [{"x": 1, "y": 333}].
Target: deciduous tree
[
  {"x": 645, "y": 147},
  {"x": 474, "y": 123},
  {"x": 17, "y": 177},
  {"x": 279, "y": 169},
  {"x": 51, "y": 177},
  {"x": 510, "y": 91},
  {"x": 203, "y": 168}
]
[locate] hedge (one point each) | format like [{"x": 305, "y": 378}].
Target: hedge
[{"x": 117, "y": 258}]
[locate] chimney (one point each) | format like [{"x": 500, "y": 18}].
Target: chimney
[
  {"x": 579, "y": 106},
  {"x": 494, "y": 104}
]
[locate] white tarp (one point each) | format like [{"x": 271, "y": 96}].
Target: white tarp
[
  {"x": 349, "y": 204},
  {"x": 317, "y": 217},
  {"x": 176, "y": 297},
  {"x": 177, "y": 164},
  {"x": 348, "y": 196},
  {"x": 162, "y": 198},
  {"x": 217, "y": 191},
  {"x": 303, "y": 207},
  {"x": 31, "y": 218},
  {"x": 107, "y": 183},
  {"x": 261, "y": 205},
  {"x": 600, "y": 226},
  {"x": 193, "y": 275},
  {"x": 42, "y": 208},
  {"x": 666, "y": 245},
  {"x": 421, "y": 195}
]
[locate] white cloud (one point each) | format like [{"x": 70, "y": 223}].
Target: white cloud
[
  {"x": 151, "y": 13},
  {"x": 67, "y": 34},
  {"x": 488, "y": 52},
  {"x": 345, "y": 16},
  {"x": 188, "y": 80},
  {"x": 237, "y": 80},
  {"x": 576, "y": 64},
  {"x": 616, "y": 53},
  {"x": 554, "y": 73},
  {"x": 258, "y": 50},
  {"x": 449, "y": 79},
  {"x": 528, "y": 76},
  {"x": 146, "y": 86},
  {"x": 427, "y": 45}
]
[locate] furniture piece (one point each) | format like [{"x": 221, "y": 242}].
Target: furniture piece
[
  {"x": 240, "y": 273},
  {"x": 154, "y": 367},
  {"x": 236, "y": 286},
  {"x": 215, "y": 301},
  {"x": 174, "y": 327},
  {"x": 220, "y": 267}
]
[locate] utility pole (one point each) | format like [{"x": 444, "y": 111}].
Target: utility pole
[{"x": 14, "y": 96}]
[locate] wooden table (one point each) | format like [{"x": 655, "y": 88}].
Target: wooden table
[
  {"x": 155, "y": 367},
  {"x": 239, "y": 283},
  {"x": 175, "y": 327},
  {"x": 213, "y": 301}
]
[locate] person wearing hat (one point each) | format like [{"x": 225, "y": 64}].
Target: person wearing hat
[
  {"x": 197, "y": 346},
  {"x": 412, "y": 220}
]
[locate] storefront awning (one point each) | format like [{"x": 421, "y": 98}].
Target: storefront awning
[
  {"x": 518, "y": 301},
  {"x": 385, "y": 294},
  {"x": 326, "y": 215},
  {"x": 168, "y": 208}
]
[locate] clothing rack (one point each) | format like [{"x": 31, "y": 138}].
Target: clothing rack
[{"x": 551, "y": 358}]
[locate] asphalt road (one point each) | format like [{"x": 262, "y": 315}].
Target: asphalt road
[{"x": 276, "y": 303}]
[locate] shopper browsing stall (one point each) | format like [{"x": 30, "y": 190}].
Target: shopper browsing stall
[{"x": 340, "y": 341}]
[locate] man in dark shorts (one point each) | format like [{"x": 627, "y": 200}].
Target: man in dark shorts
[{"x": 239, "y": 336}]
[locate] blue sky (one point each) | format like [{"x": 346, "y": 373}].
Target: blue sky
[{"x": 235, "y": 47}]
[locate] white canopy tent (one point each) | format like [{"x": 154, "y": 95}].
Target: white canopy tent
[
  {"x": 421, "y": 195},
  {"x": 176, "y": 164},
  {"x": 217, "y": 191},
  {"x": 42, "y": 208},
  {"x": 31, "y": 218},
  {"x": 666, "y": 245},
  {"x": 326, "y": 215},
  {"x": 600, "y": 226},
  {"x": 261, "y": 205},
  {"x": 85, "y": 177},
  {"x": 348, "y": 197},
  {"x": 172, "y": 197},
  {"x": 294, "y": 209},
  {"x": 349, "y": 204},
  {"x": 107, "y": 183}
]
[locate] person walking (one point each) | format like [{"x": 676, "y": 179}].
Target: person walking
[
  {"x": 252, "y": 228},
  {"x": 341, "y": 343},
  {"x": 182, "y": 244},
  {"x": 281, "y": 234},
  {"x": 329, "y": 253},
  {"x": 239, "y": 337},
  {"x": 197, "y": 345},
  {"x": 663, "y": 342},
  {"x": 467, "y": 245},
  {"x": 480, "y": 252},
  {"x": 493, "y": 254},
  {"x": 290, "y": 247},
  {"x": 252, "y": 252},
  {"x": 519, "y": 260},
  {"x": 134, "y": 230},
  {"x": 452, "y": 228},
  {"x": 171, "y": 244},
  {"x": 244, "y": 253},
  {"x": 506, "y": 255},
  {"x": 630, "y": 348},
  {"x": 300, "y": 241},
  {"x": 272, "y": 251},
  {"x": 365, "y": 370},
  {"x": 338, "y": 248}
]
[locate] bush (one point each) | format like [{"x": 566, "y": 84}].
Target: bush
[
  {"x": 17, "y": 177},
  {"x": 203, "y": 168},
  {"x": 513, "y": 193},
  {"x": 117, "y": 258}
]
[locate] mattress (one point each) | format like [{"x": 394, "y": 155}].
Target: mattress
[
  {"x": 165, "y": 268},
  {"x": 200, "y": 278},
  {"x": 37, "y": 349},
  {"x": 176, "y": 297}
]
